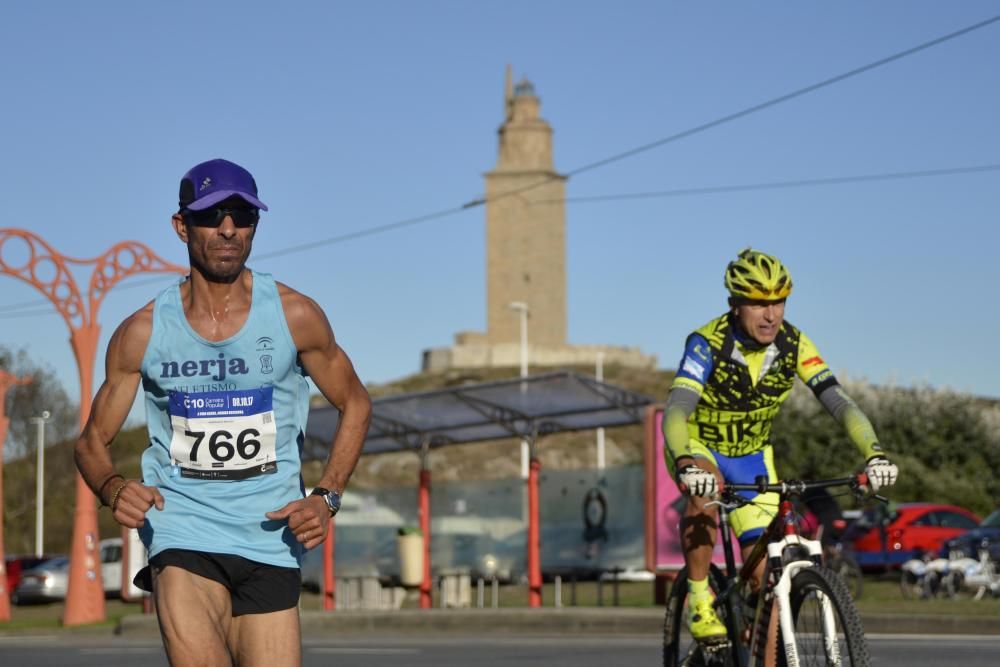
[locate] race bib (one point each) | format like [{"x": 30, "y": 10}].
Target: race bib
[{"x": 223, "y": 434}]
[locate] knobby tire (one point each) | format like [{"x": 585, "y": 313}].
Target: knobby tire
[{"x": 808, "y": 587}]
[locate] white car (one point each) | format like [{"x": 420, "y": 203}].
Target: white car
[{"x": 48, "y": 581}]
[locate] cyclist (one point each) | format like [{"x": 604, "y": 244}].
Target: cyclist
[{"x": 735, "y": 373}]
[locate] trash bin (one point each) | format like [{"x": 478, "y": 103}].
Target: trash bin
[{"x": 410, "y": 541}]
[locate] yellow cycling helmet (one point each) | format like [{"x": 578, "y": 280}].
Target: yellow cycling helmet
[{"x": 758, "y": 276}]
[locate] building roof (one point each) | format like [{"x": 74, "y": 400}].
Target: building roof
[{"x": 519, "y": 408}]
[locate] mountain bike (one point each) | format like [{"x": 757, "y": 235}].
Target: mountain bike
[{"x": 818, "y": 623}]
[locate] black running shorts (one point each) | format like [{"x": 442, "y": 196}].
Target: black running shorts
[{"x": 255, "y": 588}]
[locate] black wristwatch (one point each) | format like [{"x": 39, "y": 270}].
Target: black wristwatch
[{"x": 331, "y": 498}]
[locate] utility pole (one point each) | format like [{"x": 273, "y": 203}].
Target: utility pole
[
  {"x": 39, "y": 422},
  {"x": 522, "y": 309},
  {"x": 600, "y": 432}
]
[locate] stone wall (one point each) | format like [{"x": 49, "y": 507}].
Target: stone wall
[{"x": 485, "y": 355}]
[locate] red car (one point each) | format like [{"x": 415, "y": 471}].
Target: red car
[
  {"x": 888, "y": 537},
  {"x": 15, "y": 565}
]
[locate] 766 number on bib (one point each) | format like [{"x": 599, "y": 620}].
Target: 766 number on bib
[{"x": 221, "y": 446}]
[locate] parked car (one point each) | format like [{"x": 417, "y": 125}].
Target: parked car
[
  {"x": 16, "y": 566},
  {"x": 886, "y": 538},
  {"x": 48, "y": 581},
  {"x": 967, "y": 544}
]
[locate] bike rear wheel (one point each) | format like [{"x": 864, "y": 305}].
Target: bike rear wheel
[
  {"x": 827, "y": 626},
  {"x": 679, "y": 648},
  {"x": 848, "y": 570},
  {"x": 920, "y": 587}
]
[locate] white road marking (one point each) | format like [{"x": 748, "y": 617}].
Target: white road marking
[
  {"x": 364, "y": 651},
  {"x": 112, "y": 650}
]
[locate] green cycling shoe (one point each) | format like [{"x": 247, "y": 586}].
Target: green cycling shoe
[{"x": 703, "y": 622}]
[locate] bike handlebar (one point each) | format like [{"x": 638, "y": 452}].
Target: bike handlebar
[{"x": 796, "y": 487}]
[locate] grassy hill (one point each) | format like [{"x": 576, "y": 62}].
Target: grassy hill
[{"x": 947, "y": 446}]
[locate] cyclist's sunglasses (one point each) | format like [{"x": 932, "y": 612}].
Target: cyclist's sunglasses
[{"x": 213, "y": 217}]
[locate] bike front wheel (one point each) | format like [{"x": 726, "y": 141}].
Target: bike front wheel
[{"x": 827, "y": 626}]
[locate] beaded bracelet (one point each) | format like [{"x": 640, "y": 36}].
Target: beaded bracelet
[
  {"x": 100, "y": 488},
  {"x": 114, "y": 496}
]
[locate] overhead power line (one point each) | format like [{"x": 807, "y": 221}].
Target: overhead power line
[
  {"x": 28, "y": 313},
  {"x": 640, "y": 149},
  {"x": 778, "y": 185},
  {"x": 27, "y": 308},
  {"x": 598, "y": 163},
  {"x": 757, "y": 107},
  {"x": 368, "y": 231}
]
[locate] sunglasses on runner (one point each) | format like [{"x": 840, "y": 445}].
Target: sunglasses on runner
[{"x": 213, "y": 217}]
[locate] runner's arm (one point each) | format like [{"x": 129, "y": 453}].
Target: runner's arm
[
  {"x": 330, "y": 368},
  {"x": 109, "y": 410},
  {"x": 309, "y": 518}
]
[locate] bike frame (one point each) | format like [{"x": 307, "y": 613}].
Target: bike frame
[{"x": 776, "y": 583}]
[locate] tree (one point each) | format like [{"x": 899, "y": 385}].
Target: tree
[
  {"x": 44, "y": 392},
  {"x": 23, "y": 402}
]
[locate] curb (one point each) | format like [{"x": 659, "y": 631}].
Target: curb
[
  {"x": 592, "y": 621},
  {"x": 927, "y": 624}
]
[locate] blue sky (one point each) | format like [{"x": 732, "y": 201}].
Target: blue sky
[{"x": 354, "y": 115}]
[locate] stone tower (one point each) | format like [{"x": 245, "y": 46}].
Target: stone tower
[
  {"x": 526, "y": 256},
  {"x": 525, "y": 226}
]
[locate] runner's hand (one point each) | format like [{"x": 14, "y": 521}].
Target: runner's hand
[
  {"x": 697, "y": 481},
  {"x": 133, "y": 501},
  {"x": 881, "y": 472},
  {"x": 307, "y": 518}
]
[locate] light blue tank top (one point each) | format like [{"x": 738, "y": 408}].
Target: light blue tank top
[{"x": 226, "y": 425}]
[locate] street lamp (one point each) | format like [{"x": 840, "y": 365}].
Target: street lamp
[
  {"x": 39, "y": 481},
  {"x": 522, "y": 309},
  {"x": 599, "y": 371}
]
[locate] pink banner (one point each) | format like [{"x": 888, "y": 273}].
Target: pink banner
[{"x": 668, "y": 507}]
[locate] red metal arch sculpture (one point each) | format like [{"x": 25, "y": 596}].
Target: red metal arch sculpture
[
  {"x": 7, "y": 380},
  {"x": 85, "y": 595}
]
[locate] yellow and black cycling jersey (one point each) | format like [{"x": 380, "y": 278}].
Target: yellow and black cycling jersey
[{"x": 741, "y": 385}]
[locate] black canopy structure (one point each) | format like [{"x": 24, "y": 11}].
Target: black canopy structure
[{"x": 526, "y": 408}]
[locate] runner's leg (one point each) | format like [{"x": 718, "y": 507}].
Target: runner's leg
[
  {"x": 195, "y": 614},
  {"x": 267, "y": 640}
]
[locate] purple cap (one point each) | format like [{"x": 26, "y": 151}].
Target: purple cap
[{"x": 208, "y": 183}]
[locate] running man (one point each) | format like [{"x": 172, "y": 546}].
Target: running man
[
  {"x": 736, "y": 372},
  {"x": 223, "y": 357}
]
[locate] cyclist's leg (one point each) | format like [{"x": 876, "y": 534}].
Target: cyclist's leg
[
  {"x": 750, "y": 521},
  {"x": 698, "y": 528},
  {"x": 699, "y": 524},
  {"x": 680, "y": 650}
]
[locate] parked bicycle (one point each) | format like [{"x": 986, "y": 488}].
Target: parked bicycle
[
  {"x": 817, "y": 624},
  {"x": 925, "y": 577},
  {"x": 973, "y": 576}
]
